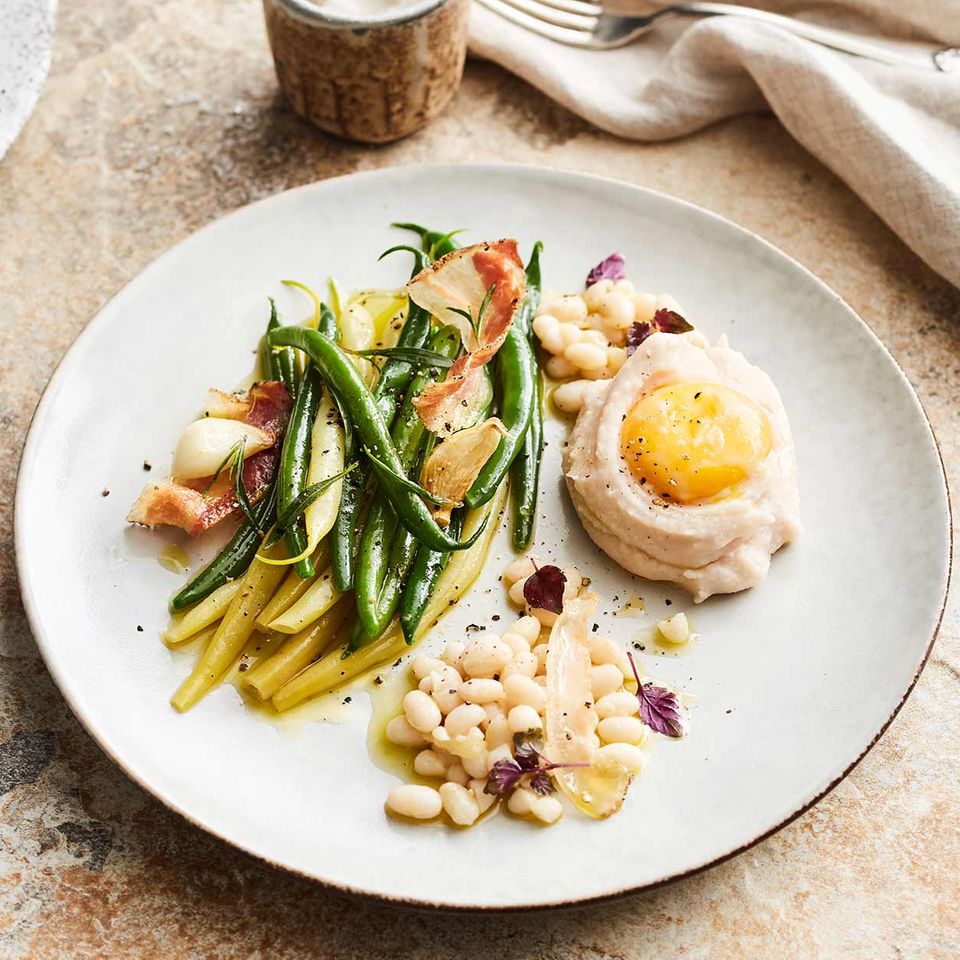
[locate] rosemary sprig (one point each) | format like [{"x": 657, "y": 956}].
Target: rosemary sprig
[{"x": 412, "y": 485}]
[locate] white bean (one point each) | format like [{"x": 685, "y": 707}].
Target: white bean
[
  {"x": 516, "y": 643},
  {"x": 481, "y": 691},
  {"x": 644, "y": 306},
  {"x": 429, "y": 763},
  {"x": 546, "y": 809},
  {"x": 623, "y": 286},
  {"x": 446, "y": 689},
  {"x": 524, "y": 719},
  {"x": 459, "y": 803},
  {"x": 596, "y": 337},
  {"x": 476, "y": 766},
  {"x": 485, "y": 657},
  {"x": 568, "y": 397},
  {"x": 621, "y": 703},
  {"x": 422, "y": 713},
  {"x": 528, "y": 627},
  {"x": 605, "y": 679},
  {"x": 484, "y": 800},
  {"x": 456, "y": 774},
  {"x": 461, "y": 719},
  {"x": 546, "y": 617},
  {"x": 618, "y": 308},
  {"x": 502, "y": 752},
  {"x": 540, "y": 652},
  {"x": 547, "y": 329},
  {"x": 570, "y": 309},
  {"x": 400, "y": 732},
  {"x": 616, "y": 358},
  {"x": 622, "y": 730},
  {"x": 604, "y": 650},
  {"x": 676, "y": 629},
  {"x": 493, "y": 710},
  {"x": 520, "y": 568},
  {"x": 498, "y": 734},
  {"x": 570, "y": 333},
  {"x": 424, "y": 665},
  {"x": 626, "y": 754},
  {"x": 415, "y": 801},
  {"x": 560, "y": 368},
  {"x": 586, "y": 356},
  {"x": 522, "y": 690},
  {"x": 523, "y": 665},
  {"x": 521, "y": 801},
  {"x": 593, "y": 296},
  {"x": 452, "y": 654},
  {"x": 516, "y": 592}
]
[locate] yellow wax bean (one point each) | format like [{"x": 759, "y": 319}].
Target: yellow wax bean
[
  {"x": 256, "y": 587},
  {"x": 291, "y": 590},
  {"x": 320, "y": 596},
  {"x": 184, "y": 626}
]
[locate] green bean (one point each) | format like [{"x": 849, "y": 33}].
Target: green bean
[
  {"x": 328, "y": 323},
  {"x": 394, "y": 377},
  {"x": 525, "y": 472},
  {"x": 422, "y": 578},
  {"x": 382, "y": 545},
  {"x": 360, "y": 405},
  {"x": 295, "y": 461},
  {"x": 283, "y": 363},
  {"x": 515, "y": 364},
  {"x": 234, "y": 558}
]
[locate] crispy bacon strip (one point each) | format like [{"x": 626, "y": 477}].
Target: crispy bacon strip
[
  {"x": 461, "y": 279},
  {"x": 189, "y": 505}
]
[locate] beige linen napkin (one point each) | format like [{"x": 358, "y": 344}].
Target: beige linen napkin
[{"x": 892, "y": 133}]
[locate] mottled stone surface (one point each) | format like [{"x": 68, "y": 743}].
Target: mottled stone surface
[{"x": 157, "y": 118}]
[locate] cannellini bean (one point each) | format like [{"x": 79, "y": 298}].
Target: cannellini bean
[
  {"x": 644, "y": 306},
  {"x": 605, "y": 679},
  {"x": 626, "y": 754},
  {"x": 520, "y": 568},
  {"x": 540, "y": 652},
  {"x": 676, "y": 629},
  {"x": 546, "y": 809},
  {"x": 570, "y": 309},
  {"x": 620, "y": 703},
  {"x": 485, "y": 657},
  {"x": 586, "y": 356},
  {"x": 616, "y": 358},
  {"x": 461, "y": 719},
  {"x": 593, "y": 296},
  {"x": 459, "y": 803},
  {"x": 429, "y": 763},
  {"x": 484, "y": 800},
  {"x": 601, "y": 373},
  {"x": 618, "y": 308},
  {"x": 424, "y": 665},
  {"x": 528, "y": 627},
  {"x": 452, "y": 653},
  {"x": 570, "y": 333},
  {"x": 421, "y": 712},
  {"x": 498, "y": 735},
  {"x": 516, "y": 643},
  {"x": 568, "y": 397},
  {"x": 546, "y": 617},
  {"x": 524, "y": 719},
  {"x": 605, "y": 650},
  {"x": 493, "y": 710},
  {"x": 560, "y": 368},
  {"x": 400, "y": 732},
  {"x": 426, "y": 684},
  {"x": 516, "y": 592},
  {"x": 456, "y": 774},
  {"x": 476, "y": 766},
  {"x": 523, "y": 665},
  {"x": 594, "y": 336},
  {"x": 415, "y": 801},
  {"x": 522, "y": 690},
  {"x": 502, "y": 752},
  {"x": 622, "y": 730},
  {"x": 547, "y": 329},
  {"x": 446, "y": 688},
  {"x": 481, "y": 691},
  {"x": 623, "y": 286},
  {"x": 521, "y": 801}
]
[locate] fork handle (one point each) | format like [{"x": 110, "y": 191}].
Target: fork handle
[{"x": 943, "y": 60}]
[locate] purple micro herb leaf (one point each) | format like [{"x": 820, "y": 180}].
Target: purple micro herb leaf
[
  {"x": 503, "y": 777},
  {"x": 664, "y": 321},
  {"x": 669, "y": 321},
  {"x": 612, "y": 268},
  {"x": 526, "y": 755},
  {"x": 659, "y": 707},
  {"x": 543, "y": 589},
  {"x": 542, "y": 783}
]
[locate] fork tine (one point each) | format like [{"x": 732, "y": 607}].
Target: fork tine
[
  {"x": 587, "y": 8},
  {"x": 551, "y": 14},
  {"x": 565, "y": 35}
]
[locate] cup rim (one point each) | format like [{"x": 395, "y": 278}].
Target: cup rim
[{"x": 315, "y": 15}]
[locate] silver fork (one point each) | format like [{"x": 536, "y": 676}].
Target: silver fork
[{"x": 584, "y": 23}]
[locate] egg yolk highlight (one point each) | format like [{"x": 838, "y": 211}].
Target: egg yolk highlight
[{"x": 692, "y": 442}]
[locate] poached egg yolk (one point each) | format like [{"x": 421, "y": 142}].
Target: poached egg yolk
[{"x": 692, "y": 442}]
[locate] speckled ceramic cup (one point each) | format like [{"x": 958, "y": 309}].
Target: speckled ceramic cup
[{"x": 372, "y": 79}]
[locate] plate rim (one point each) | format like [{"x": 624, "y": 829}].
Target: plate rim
[{"x": 34, "y": 618}]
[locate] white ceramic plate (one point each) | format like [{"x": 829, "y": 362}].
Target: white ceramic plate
[{"x": 795, "y": 679}]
